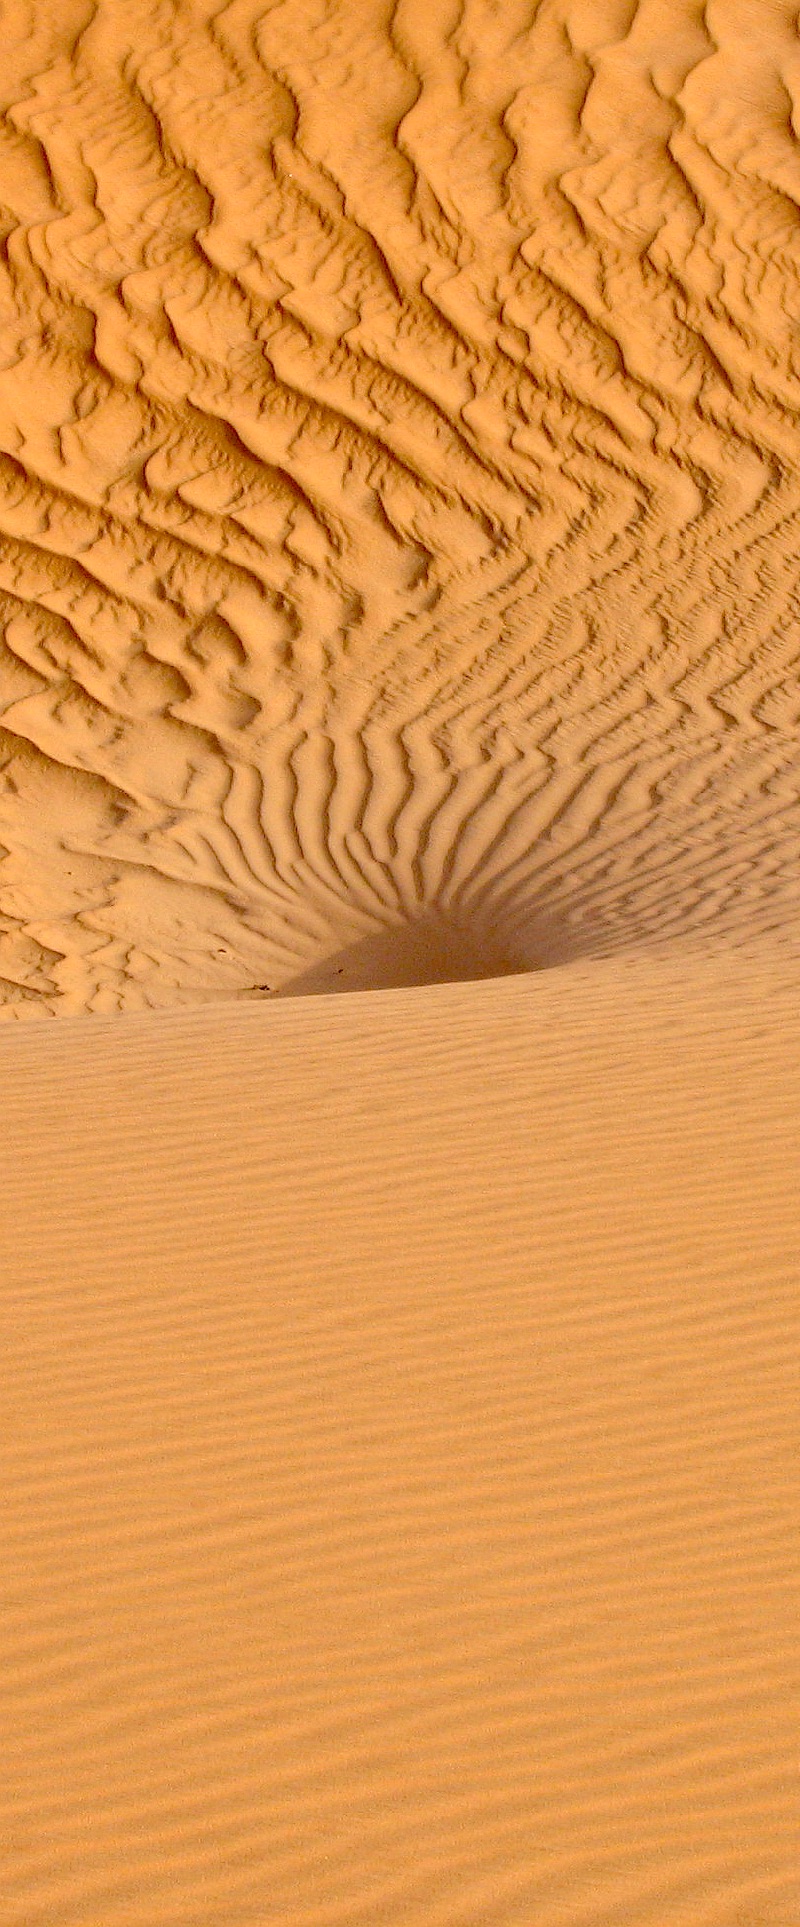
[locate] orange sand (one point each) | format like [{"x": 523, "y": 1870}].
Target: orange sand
[
  {"x": 402, "y": 1458},
  {"x": 399, "y": 521}
]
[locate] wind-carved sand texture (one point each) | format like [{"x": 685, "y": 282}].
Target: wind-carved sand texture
[
  {"x": 399, "y": 523},
  {"x": 399, "y": 494}
]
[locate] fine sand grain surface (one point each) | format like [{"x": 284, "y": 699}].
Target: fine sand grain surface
[
  {"x": 399, "y": 534},
  {"x": 402, "y": 1459}
]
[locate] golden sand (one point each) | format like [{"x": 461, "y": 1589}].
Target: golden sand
[{"x": 399, "y": 521}]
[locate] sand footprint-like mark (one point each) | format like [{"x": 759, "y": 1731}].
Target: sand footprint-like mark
[{"x": 398, "y": 485}]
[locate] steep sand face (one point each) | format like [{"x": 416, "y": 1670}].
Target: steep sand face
[
  {"x": 399, "y": 517},
  {"x": 399, "y": 484},
  {"x": 402, "y": 1459}
]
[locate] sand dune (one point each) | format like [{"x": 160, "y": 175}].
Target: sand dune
[
  {"x": 399, "y": 489},
  {"x": 402, "y": 1512},
  {"x": 399, "y": 517}
]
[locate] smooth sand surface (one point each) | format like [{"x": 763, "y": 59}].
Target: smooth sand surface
[
  {"x": 399, "y": 523},
  {"x": 402, "y": 1458}
]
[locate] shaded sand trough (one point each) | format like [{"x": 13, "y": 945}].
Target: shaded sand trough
[
  {"x": 399, "y": 519},
  {"x": 427, "y": 950}
]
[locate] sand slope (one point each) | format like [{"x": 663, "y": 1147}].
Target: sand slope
[
  {"x": 399, "y": 519},
  {"x": 399, "y": 486},
  {"x": 402, "y": 1445}
]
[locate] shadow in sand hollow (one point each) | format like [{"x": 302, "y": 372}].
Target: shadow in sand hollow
[{"x": 429, "y": 949}]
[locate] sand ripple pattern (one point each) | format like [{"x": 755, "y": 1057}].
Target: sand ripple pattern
[
  {"x": 399, "y": 488},
  {"x": 400, "y": 1469}
]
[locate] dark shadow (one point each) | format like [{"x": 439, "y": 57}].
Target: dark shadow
[{"x": 429, "y": 949}]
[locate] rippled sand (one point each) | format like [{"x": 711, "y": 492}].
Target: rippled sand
[{"x": 399, "y": 520}]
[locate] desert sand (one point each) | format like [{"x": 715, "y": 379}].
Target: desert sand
[{"x": 400, "y": 963}]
